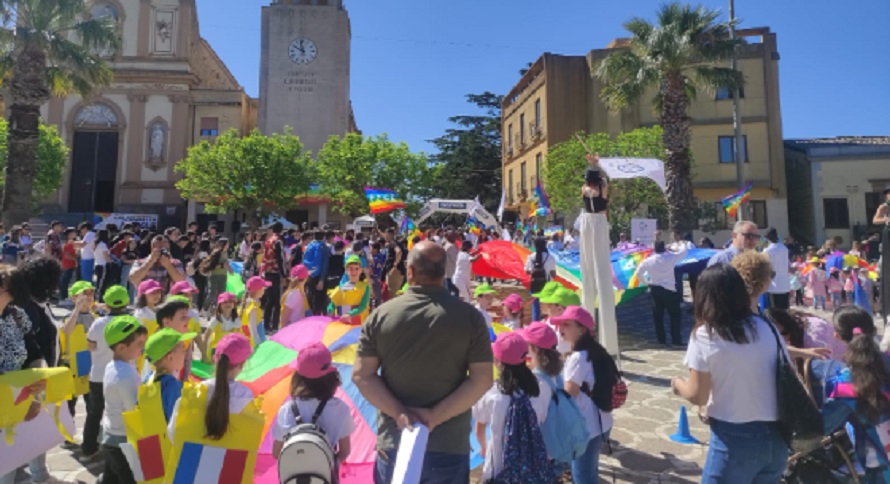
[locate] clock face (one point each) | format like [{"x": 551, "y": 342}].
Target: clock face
[{"x": 302, "y": 51}]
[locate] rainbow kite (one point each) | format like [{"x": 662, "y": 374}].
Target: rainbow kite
[
  {"x": 732, "y": 202},
  {"x": 383, "y": 200}
]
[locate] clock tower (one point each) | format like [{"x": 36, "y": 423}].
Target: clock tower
[{"x": 304, "y": 70}]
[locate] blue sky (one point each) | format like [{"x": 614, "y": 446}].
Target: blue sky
[{"x": 413, "y": 61}]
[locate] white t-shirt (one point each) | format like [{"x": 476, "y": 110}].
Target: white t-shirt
[
  {"x": 579, "y": 371},
  {"x": 226, "y": 324},
  {"x": 103, "y": 354},
  {"x": 89, "y": 240},
  {"x": 100, "y": 254},
  {"x": 492, "y": 409},
  {"x": 335, "y": 419},
  {"x": 485, "y": 314},
  {"x": 297, "y": 304},
  {"x": 145, "y": 314},
  {"x": 548, "y": 260},
  {"x": 463, "y": 269},
  {"x": 239, "y": 397},
  {"x": 743, "y": 376},
  {"x": 778, "y": 256},
  {"x": 120, "y": 389}
]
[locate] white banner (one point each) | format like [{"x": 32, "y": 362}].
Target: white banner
[
  {"x": 642, "y": 230},
  {"x": 635, "y": 168},
  {"x": 145, "y": 220}
]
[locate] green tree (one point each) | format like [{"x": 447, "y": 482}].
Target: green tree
[
  {"x": 257, "y": 174},
  {"x": 348, "y": 164},
  {"x": 470, "y": 153},
  {"x": 50, "y": 47},
  {"x": 52, "y": 156},
  {"x": 564, "y": 175},
  {"x": 675, "y": 57}
]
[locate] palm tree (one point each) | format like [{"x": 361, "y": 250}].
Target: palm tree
[
  {"x": 49, "y": 48},
  {"x": 676, "y": 56}
]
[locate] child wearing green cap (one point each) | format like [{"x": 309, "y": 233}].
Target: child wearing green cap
[
  {"x": 352, "y": 299},
  {"x": 484, "y": 295},
  {"x": 101, "y": 355},
  {"x": 553, "y": 305},
  {"x": 125, "y": 338},
  {"x": 81, "y": 318},
  {"x": 166, "y": 351}
]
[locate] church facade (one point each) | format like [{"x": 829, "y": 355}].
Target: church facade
[{"x": 171, "y": 91}]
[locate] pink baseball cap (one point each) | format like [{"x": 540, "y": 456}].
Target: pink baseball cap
[
  {"x": 299, "y": 271},
  {"x": 182, "y": 287},
  {"x": 540, "y": 335},
  {"x": 575, "y": 313},
  {"x": 225, "y": 297},
  {"x": 149, "y": 286},
  {"x": 234, "y": 345},
  {"x": 314, "y": 361},
  {"x": 513, "y": 302},
  {"x": 510, "y": 348},
  {"x": 256, "y": 283}
]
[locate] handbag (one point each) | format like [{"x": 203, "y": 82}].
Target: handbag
[{"x": 800, "y": 421}]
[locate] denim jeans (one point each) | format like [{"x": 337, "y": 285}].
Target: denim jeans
[
  {"x": 585, "y": 467},
  {"x": 817, "y": 300},
  {"x": 64, "y": 282},
  {"x": 751, "y": 452},
  {"x": 95, "y": 409},
  {"x": 438, "y": 468},
  {"x": 37, "y": 468},
  {"x": 86, "y": 270}
]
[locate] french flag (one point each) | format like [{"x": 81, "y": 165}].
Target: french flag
[
  {"x": 146, "y": 459},
  {"x": 213, "y": 464}
]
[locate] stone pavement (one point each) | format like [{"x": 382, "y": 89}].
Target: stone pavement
[{"x": 642, "y": 450}]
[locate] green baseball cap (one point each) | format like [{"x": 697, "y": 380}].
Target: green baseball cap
[
  {"x": 565, "y": 297},
  {"x": 178, "y": 298},
  {"x": 483, "y": 289},
  {"x": 116, "y": 297},
  {"x": 353, "y": 259},
  {"x": 79, "y": 287},
  {"x": 162, "y": 342},
  {"x": 119, "y": 328},
  {"x": 548, "y": 290}
]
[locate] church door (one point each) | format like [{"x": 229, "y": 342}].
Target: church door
[{"x": 93, "y": 171}]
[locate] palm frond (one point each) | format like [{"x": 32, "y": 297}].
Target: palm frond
[
  {"x": 97, "y": 34},
  {"x": 626, "y": 76},
  {"x": 710, "y": 78},
  {"x": 640, "y": 28}
]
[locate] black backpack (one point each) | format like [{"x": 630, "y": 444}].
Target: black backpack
[
  {"x": 609, "y": 390},
  {"x": 539, "y": 274}
]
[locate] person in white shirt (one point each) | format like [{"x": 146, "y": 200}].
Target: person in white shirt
[
  {"x": 658, "y": 269},
  {"x": 86, "y": 246},
  {"x": 780, "y": 289},
  {"x": 463, "y": 271},
  {"x": 679, "y": 243},
  {"x": 732, "y": 371}
]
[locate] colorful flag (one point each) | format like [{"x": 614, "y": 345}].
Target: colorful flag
[
  {"x": 860, "y": 295},
  {"x": 409, "y": 230},
  {"x": 213, "y": 464},
  {"x": 554, "y": 230},
  {"x": 540, "y": 206},
  {"x": 474, "y": 225},
  {"x": 624, "y": 269},
  {"x": 732, "y": 202},
  {"x": 383, "y": 200}
]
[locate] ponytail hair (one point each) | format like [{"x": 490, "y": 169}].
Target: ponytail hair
[
  {"x": 868, "y": 369},
  {"x": 513, "y": 378},
  {"x": 217, "y": 418}
]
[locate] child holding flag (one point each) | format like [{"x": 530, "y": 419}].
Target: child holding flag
[
  {"x": 166, "y": 351},
  {"x": 352, "y": 299}
]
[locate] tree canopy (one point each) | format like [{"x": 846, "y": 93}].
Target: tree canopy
[
  {"x": 256, "y": 173},
  {"x": 470, "y": 153},
  {"x": 52, "y": 157},
  {"x": 347, "y": 164},
  {"x": 564, "y": 175}
]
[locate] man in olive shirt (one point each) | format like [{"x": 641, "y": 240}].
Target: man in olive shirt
[{"x": 434, "y": 355}]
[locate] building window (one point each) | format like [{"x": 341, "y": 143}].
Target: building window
[
  {"x": 510, "y": 137},
  {"x": 510, "y": 184},
  {"x": 523, "y": 175},
  {"x": 725, "y": 143},
  {"x": 757, "y": 209},
  {"x": 522, "y": 129},
  {"x": 837, "y": 215},
  {"x": 209, "y": 126},
  {"x": 538, "y": 167},
  {"x": 538, "y": 114},
  {"x": 724, "y": 93}
]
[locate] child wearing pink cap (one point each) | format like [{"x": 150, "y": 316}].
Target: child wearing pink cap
[
  {"x": 252, "y": 309},
  {"x": 515, "y": 382},
  {"x": 546, "y": 361},
  {"x": 149, "y": 296},
  {"x": 224, "y": 322},
  {"x": 313, "y": 385},
  {"x": 511, "y": 311},
  {"x": 231, "y": 353},
  {"x": 294, "y": 304},
  {"x": 577, "y": 327}
]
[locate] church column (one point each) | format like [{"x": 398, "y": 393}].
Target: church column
[
  {"x": 179, "y": 134},
  {"x": 136, "y": 134},
  {"x": 145, "y": 31},
  {"x": 185, "y": 25}
]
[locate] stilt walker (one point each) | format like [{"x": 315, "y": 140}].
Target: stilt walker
[{"x": 596, "y": 265}]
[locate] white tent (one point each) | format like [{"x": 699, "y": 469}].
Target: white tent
[{"x": 365, "y": 221}]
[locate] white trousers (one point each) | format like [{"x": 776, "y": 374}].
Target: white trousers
[{"x": 596, "y": 277}]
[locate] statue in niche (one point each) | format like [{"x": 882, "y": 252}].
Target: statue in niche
[{"x": 156, "y": 143}]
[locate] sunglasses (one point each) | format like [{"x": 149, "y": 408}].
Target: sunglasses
[{"x": 751, "y": 236}]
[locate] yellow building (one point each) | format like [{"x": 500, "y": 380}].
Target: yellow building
[{"x": 559, "y": 96}]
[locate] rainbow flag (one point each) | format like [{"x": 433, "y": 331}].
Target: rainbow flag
[
  {"x": 555, "y": 230},
  {"x": 409, "y": 230},
  {"x": 624, "y": 268},
  {"x": 474, "y": 225},
  {"x": 732, "y": 202},
  {"x": 383, "y": 200},
  {"x": 541, "y": 207}
]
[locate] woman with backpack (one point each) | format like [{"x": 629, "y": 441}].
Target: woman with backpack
[
  {"x": 312, "y": 401},
  {"x": 514, "y": 408},
  {"x": 587, "y": 374},
  {"x": 541, "y": 268},
  {"x": 732, "y": 359}
]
